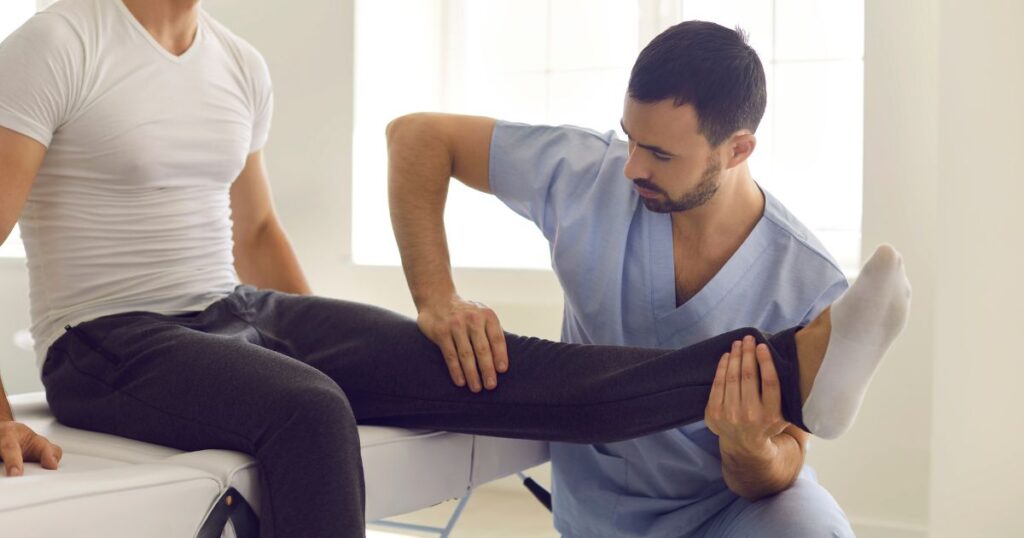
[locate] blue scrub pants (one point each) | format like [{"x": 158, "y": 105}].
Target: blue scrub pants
[{"x": 805, "y": 510}]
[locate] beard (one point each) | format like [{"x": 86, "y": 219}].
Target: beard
[{"x": 704, "y": 191}]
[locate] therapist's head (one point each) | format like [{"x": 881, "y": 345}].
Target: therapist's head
[{"x": 695, "y": 98}]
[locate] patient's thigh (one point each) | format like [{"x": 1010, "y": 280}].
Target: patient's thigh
[
  {"x": 354, "y": 343},
  {"x": 367, "y": 349},
  {"x": 206, "y": 385}
]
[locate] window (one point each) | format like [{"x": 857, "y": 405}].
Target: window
[
  {"x": 485, "y": 58},
  {"x": 14, "y": 13},
  {"x": 567, "y": 61}
]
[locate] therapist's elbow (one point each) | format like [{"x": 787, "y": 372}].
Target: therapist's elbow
[
  {"x": 419, "y": 150},
  {"x": 408, "y": 129}
]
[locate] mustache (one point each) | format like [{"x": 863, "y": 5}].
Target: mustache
[{"x": 648, "y": 185}]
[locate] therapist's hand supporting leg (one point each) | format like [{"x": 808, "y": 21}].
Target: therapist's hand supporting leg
[{"x": 762, "y": 454}]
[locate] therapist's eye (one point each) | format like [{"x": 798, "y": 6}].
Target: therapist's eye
[{"x": 661, "y": 156}]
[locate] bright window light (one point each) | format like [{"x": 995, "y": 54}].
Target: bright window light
[{"x": 567, "y": 61}]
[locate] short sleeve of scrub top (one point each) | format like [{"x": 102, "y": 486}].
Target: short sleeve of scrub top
[{"x": 542, "y": 171}]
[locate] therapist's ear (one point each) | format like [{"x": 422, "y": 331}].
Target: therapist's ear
[{"x": 739, "y": 147}]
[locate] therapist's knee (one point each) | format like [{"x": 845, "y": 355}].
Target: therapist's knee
[{"x": 804, "y": 510}]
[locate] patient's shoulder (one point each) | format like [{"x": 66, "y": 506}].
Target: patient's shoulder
[
  {"x": 49, "y": 32},
  {"x": 247, "y": 57}
]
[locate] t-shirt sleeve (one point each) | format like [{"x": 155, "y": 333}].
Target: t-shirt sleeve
[
  {"x": 540, "y": 171},
  {"x": 262, "y": 100},
  {"x": 40, "y": 75}
]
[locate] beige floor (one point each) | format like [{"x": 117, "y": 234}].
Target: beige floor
[{"x": 503, "y": 509}]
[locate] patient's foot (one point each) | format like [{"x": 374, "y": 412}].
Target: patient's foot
[{"x": 841, "y": 349}]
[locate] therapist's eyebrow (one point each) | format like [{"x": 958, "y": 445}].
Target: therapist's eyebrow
[{"x": 649, "y": 147}]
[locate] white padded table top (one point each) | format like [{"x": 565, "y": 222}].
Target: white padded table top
[{"x": 111, "y": 486}]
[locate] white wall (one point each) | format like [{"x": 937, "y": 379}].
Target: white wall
[
  {"x": 978, "y": 428},
  {"x": 936, "y": 450},
  {"x": 308, "y": 48},
  {"x": 17, "y": 366}
]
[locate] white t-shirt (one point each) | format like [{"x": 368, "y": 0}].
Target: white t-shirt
[{"x": 131, "y": 207}]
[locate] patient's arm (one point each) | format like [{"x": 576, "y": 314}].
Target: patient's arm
[
  {"x": 263, "y": 255},
  {"x": 20, "y": 159}
]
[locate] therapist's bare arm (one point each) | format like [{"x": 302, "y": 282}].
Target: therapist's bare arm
[
  {"x": 424, "y": 152},
  {"x": 264, "y": 257},
  {"x": 20, "y": 159}
]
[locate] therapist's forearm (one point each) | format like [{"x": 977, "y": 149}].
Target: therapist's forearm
[
  {"x": 267, "y": 260},
  {"x": 755, "y": 476},
  {"x": 419, "y": 172}
]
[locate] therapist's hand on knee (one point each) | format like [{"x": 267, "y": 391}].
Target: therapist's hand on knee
[
  {"x": 471, "y": 340},
  {"x": 18, "y": 443}
]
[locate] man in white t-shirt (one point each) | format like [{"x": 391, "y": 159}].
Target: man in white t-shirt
[{"x": 130, "y": 146}]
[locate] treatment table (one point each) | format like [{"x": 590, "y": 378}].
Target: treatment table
[{"x": 109, "y": 486}]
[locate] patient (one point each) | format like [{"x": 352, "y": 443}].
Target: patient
[{"x": 131, "y": 138}]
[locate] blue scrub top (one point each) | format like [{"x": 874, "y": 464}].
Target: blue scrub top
[{"x": 613, "y": 258}]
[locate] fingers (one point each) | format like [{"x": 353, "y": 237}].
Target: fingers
[
  {"x": 51, "y": 455},
  {"x": 488, "y": 344},
  {"x": 451, "y": 360},
  {"x": 471, "y": 340},
  {"x": 498, "y": 347},
  {"x": 36, "y": 448},
  {"x": 750, "y": 390},
  {"x": 484, "y": 360},
  {"x": 10, "y": 450},
  {"x": 715, "y": 400},
  {"x": 40, "y": 449},
  {"x": 771, "y": 393},
  {"x": 732, "y": 377},
  {"x": 467, "y": 359},
  {"x": 744, "y": 407}
]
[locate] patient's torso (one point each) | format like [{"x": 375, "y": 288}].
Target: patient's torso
[{"x": 131, "y": 209}]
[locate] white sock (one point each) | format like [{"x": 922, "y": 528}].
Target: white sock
[{"x": 865, "y": 321}]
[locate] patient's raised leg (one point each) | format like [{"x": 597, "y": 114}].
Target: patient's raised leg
[
  {"x": 841, "y": 349},
  {"x": 394, "y": 375}
]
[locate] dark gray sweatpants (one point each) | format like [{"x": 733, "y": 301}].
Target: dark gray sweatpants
[{"x": 286, "y": 379}]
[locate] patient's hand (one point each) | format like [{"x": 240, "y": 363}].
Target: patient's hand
[{"x": 18, "y": 443}]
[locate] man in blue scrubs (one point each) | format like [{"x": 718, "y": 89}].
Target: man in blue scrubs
[{"x": 660, "y": 241}]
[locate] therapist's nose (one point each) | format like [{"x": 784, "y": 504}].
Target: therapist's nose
[{"x": 635, "y": 168}]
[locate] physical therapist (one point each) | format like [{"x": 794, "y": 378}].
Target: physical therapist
[{"x": 658, "y": 241}]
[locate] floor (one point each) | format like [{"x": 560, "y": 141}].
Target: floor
[{"x": 501, "y": 509}]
